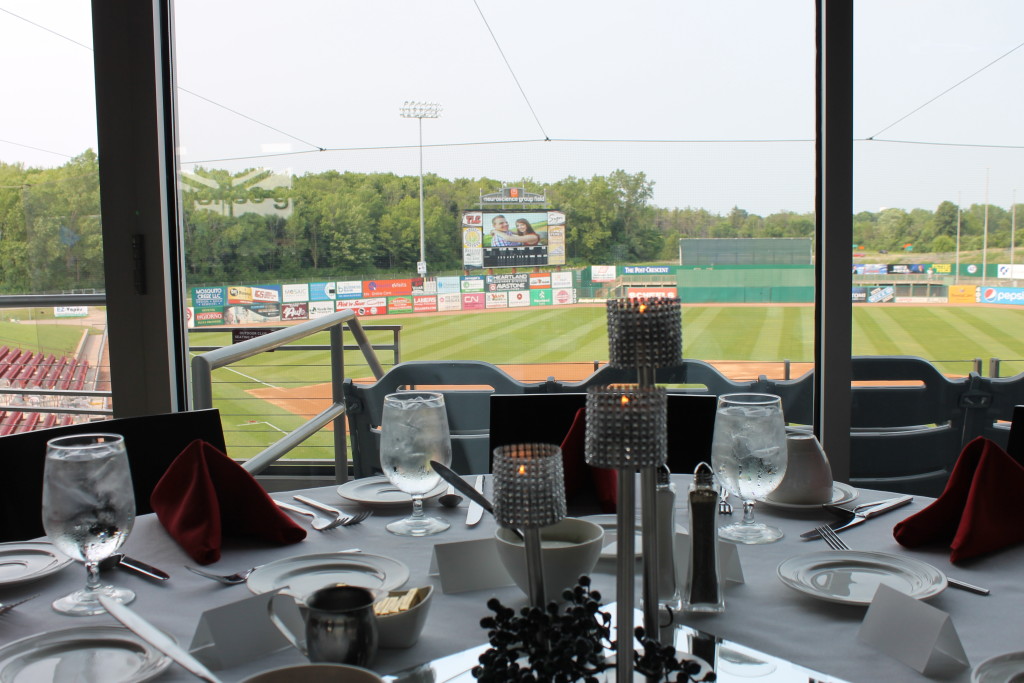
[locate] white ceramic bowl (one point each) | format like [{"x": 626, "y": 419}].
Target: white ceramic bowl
[
  {"x": 402, "y": 629},
  {"x": 316, "y": 673},
  {"x": 569, "y": 549}
]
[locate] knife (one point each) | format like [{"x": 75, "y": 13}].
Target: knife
[
  {"x": 157, "y": 638},
  {"x": 862, "y": 514},
  {"x": 475, "y": 511},
  {"x": 137, "y": 566},
  {"x": 463, "y": 486}
]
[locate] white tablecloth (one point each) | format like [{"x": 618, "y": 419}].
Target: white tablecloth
[{"x": 762, "y": 613}]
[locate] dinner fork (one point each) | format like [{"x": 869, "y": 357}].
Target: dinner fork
[
  {"x": 4, "y": 609},
  {"x": 347, "y": 519},
  {"x": 724, "y": 506},
  {"x": 319, "y": 523},
  {"x": 226, "y": 579},
  {"x": 836, "y": 543}
]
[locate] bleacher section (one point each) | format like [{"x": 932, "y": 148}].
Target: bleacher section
[{"x": 25, "y": 369}]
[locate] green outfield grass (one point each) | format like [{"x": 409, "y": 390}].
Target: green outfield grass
[{"x": 950, "y": 336}]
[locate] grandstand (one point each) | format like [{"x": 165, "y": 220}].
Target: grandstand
[{"x": 26, "y": 369}]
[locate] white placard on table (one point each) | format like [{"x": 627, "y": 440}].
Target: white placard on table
[
  {"x": 241, "y": 632},
  {"x": 729, "y": 568},
  {"x": 469, "y": 566},
  {"x": 919, "y": 635}
]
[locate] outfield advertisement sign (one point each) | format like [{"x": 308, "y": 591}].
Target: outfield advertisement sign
[
  {"x": 602, "y": 273},
  {"x": 204, "y": 316},
  {"x": 373, "y": 288},
  {"x": 562, "y": 297},
  {"x": 878, "y": 295},
  {"x": 473, "y": 301},
  {"x": 1010, "y": 271},
  {"x": 540, "y": 281},
  {"x": 1001, "y": 295},
  {"x": 473, "y": 283},
  {"x": 70, "y": 311},
  {"x": 515, "y": 238},
  {"x": 296, "y": 311},
  {"x": 449, "y": 302},
  {"x": 449, "y": 284},
  {"x": 424, "y": 304},
  {"x": 561, "y": 280},
  {"x": 400, "y": 304},
  {"x": 513, "y": 282},
  {"x": 540, "y": 297},
  {"x": 323, "y": 291},
  {"x": 258, "y": 312},
  {"x": 860, "y": 295},
  {"x": 319, "y": 309},
  {"x": 294, "y": 293},
  {"x": 350, "y": 289},
  {"x": 208, "y": 296},
  {"x": 497, "y": 299},
  {"x": 652, "y": 293},
  {"x": 518, "y": 299},
  {"x": 370, "y": 306}
]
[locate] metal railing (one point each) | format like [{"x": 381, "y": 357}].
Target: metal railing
[{"x": 204, "y": 364}]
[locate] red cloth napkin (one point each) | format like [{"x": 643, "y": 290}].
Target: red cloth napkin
[
  {"x": 582, "y": 480},
  {"x": 971, "y": 512},
  {"x": 204, "y": 496}
]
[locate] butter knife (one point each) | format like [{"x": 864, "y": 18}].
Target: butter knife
[
  {"x": 137, "y": 566},
  {"x": 862, "y": 514},
  {"x": 157, "y": 638},
  {"x": 476, "y": 511}
]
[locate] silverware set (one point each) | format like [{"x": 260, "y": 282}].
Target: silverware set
[
  {"x": 832, "y": 539},
  {"x": 319, "y": 522}
]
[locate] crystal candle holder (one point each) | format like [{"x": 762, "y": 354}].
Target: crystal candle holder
[
  {"x": 644, "y": 333},
  {"x": 529, "y": 493}
]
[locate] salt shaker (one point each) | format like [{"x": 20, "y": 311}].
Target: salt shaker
[
  {"x": 666, "y": 497},
  {"x": 703, "y": 589}
]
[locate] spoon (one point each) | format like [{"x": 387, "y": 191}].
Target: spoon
[{"x": 450, "y": 499}]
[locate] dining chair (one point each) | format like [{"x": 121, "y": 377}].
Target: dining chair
[
  {"x": 151, "y": 441},
  {"x": 466, "y": 386}
]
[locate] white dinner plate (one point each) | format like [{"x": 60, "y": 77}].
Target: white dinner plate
[
  {"x": 378, "y": 492},
  {"x": 90, "y": 654},
  {"x": 29, "y": 561},
  {"x": 610, "y": 526},
  {"x": 307, "y": 573},
  {"x": 851, "y": 577},
  {"x": 1000, "y": 669},
  {"x": 841, "y": 494}
]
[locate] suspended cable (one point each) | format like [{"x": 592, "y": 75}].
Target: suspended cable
[
  {"x": 955, "y": 85},
  {"x": 514, "y": 77},
  {"x": 941, "y": 144},
  {"x": 48, "y": 30},
  {"x": 38, "y": 149}
]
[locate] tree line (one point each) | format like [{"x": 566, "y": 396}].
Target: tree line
[{"x": 366, "y": 225}]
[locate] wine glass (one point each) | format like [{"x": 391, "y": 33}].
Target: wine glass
[
  {"x": 749, "y": 456},
  {"x": 88, "y": 510},
  {"x": 414, "y": 432}
]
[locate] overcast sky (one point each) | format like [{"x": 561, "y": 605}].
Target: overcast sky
[{"x": 712, "y": 99}]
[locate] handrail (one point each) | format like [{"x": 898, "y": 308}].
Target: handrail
[{"x": 204, "y": 364}]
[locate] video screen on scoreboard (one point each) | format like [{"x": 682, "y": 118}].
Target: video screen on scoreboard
[{"x": 507, "y": 239}]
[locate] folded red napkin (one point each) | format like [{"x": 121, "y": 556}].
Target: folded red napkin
[
  {"x": 205, "y": 496},
  {"x": 971, "y": 512},
  {"x": 581, "y": 480}
]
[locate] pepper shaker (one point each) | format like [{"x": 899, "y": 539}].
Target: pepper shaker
[{"x": 703, "y": 589}]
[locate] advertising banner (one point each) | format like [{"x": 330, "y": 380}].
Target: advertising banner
[
  {"x": 942, "y": 268},
  {"x": 540, "y": 297},
  {"x": 208, "y": 296},
  {"x": 563, "y": 296},
  {"x": 323, "y": 291},
  {"x": 294, "y": 311},
  {"x": 963, "y": 294},
  {"x": 350, "y": 289},
  {"x": 472, "y": 244},
  {"x": 449, "y": 284},
  {"x": 424, "y": 303},
  {"x": 373, "y": 288},
  {"x": 400, "y": 304},
  {"x": 257, "y": 312},
  {"x": 205, "y": 316},
  {"x": 646, "y": 270},
  {"x": 652, "y": 293},
  {"x": 906, "y": 268},
  {"x": 473, "y": 283},
  {"x": 1001, "y": 295},
  {"x": 860, "y": 295},
  {"x": 70, "y": 311},
  {"x": 239, "y": 295},
  {"x": 266, "y": 294},
  {"x": 294, "y": 293},
  {"x": 497, "y": 299},
  {"x": 513, "y": 238},
  {"x": 318, "y": 309},
  {"x": 879, "y": 295},
  {"x": 519, "y": 299},
  {"x": 602, "y": 273},
  {"x": 870, "y": 269},
  {"x": 540, "y": 280},
  {"x": 561, "y": 280},
  {"x": 374, "y": 306},
  {"x": 512, "y": 282},
  {"x": 449, "y": 302},
  {"x": 1010, "y": 270},
  {"x": 473, "y": 301}
]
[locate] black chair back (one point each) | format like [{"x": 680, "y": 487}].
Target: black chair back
[{"x": 152, "y": 443}]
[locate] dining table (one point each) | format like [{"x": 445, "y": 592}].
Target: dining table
[{"x": 761, "y": 613}]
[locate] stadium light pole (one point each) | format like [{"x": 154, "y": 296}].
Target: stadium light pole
[{"x": 420, "y": 111}]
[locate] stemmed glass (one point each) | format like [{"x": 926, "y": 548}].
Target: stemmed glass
[
  {"x": 414, "y": 432},
  {"x": 88, "y": 510},
  {"x": 749, "y": 456}
]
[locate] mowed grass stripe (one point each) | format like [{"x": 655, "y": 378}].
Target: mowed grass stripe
[{"x": 1005, "y": 334}]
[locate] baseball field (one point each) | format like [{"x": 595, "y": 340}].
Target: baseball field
[{"x": 271, "y": 394}]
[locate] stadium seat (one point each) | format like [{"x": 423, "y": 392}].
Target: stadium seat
[
  {"x": 152, "y": 442},
  {"x": 466, "y": 386}
]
